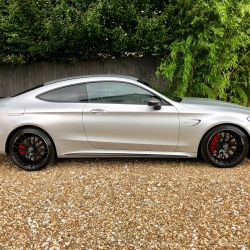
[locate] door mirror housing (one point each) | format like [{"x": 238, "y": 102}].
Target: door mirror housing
[{"x": 155, "y": 102}]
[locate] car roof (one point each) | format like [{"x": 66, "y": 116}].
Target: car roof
[{"x": 89, "y": 76}]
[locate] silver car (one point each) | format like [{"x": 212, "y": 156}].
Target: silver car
[{"x": 118, "y": 116}]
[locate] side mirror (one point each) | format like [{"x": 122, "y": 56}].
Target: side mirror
[{"x": 155, "y": 102}]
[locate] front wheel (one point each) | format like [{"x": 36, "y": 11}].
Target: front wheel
[
  {"x": 224, "y": 146},
  {"x": 31, "y": 149}
]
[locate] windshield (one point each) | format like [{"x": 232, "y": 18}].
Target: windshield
[
  {"x": 145, "y": 83},
  {"x": 173, "y": 98},
  {"x": 176, "y": 98}
]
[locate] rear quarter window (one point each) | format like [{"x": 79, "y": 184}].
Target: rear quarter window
[{"x": 75, "y": 93}]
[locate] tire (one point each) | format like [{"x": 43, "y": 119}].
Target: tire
[
  {"x": 224, "y": 146},
  {"x": 31, "y": 149}
]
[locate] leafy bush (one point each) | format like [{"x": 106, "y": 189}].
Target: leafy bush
[
  {"x": 73, "y": 30},
  {"x": 210, "y": 51}
]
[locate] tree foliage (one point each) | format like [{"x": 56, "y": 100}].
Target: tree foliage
[
  {"x": 210, "y": 52},
  {"x": 72, "y": 30},
  {"x": 205, "y": 45}
]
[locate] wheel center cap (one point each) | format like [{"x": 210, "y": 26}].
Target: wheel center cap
[
  {"x": 30, "y": 150},
  {"x": 225, "y": 146}
]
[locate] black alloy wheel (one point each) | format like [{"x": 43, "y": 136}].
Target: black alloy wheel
[
  {"x": 31, "y": 149},
  {"x": 224, "y": 146}
]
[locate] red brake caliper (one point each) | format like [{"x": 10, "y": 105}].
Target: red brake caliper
[
  {"x": 21, "y": 149},
  {"x": 213, "y": 142}
]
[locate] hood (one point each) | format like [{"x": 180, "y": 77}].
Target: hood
[{"x": 203, "y": 103}]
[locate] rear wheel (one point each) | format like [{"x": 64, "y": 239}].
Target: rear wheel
[
  {"x": 31, "y": 149},
  {"x": 224, "y": 146}
]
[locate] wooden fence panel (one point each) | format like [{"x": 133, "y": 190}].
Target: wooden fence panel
[{"x": 15, "y": 79}]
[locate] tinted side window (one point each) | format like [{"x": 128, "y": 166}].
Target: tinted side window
[
  {"x": 75, "y": 93},
  {"x": 117, "y": 92}
]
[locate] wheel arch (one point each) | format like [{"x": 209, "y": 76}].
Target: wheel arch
[
  {"x": 231, "y": 124},
  {"x": 22, "y": 127}
]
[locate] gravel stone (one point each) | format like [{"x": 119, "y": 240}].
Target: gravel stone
[{"x": 125, "y": 204}]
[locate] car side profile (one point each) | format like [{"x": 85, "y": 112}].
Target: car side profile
[{"x": 118, "y": 116}]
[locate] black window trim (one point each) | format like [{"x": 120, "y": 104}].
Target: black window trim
[{"x": 164, "y": 102}]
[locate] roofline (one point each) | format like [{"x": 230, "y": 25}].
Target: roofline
[{"x": 87, "y": 76}]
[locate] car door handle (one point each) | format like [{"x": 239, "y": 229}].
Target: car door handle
[{"x": 98, "y": 111}]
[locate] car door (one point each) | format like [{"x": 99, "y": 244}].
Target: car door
[
  {"x": 117, "y": 117},
  {"x": 61, "y": 112}
]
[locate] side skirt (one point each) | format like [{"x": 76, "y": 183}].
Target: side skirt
[{"x": 130, "y": 155}]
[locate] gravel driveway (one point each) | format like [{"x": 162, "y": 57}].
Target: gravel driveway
[{"x": 125, "y": 204}]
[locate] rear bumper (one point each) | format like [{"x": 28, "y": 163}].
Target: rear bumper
[{"x": 4, "y": 133}]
